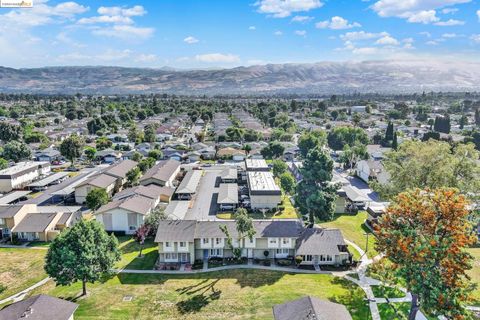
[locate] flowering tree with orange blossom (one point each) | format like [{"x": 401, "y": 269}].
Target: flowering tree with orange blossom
[{"x": 425, "y": 234}]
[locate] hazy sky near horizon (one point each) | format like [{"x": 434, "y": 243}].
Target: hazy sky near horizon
[{"x": 229, "y": 33}]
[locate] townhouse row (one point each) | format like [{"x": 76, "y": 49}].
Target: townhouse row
[{"x": 184, "y": 241}]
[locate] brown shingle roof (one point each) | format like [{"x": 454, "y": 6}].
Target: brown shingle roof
[
  {"x": 101, "y": 181},
  {"x": 162, "y": 171},
  {"x": 120, "y": 169},
  {"x": 137, "y": 204},
  {"x": 35, "y": 222}
]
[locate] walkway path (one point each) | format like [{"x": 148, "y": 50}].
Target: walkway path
[{"x": 21, "y": 295}]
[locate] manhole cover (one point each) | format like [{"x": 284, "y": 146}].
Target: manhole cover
[{"x": 127, "y": 298}]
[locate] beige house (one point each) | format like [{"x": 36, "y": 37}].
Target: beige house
[
  {"x": 120, "y": 170},
  {"x": 11, "y": 215},
  {"x": 99, "y": 181},
  {"x": 264, "y": 192},
  {"x": 162, "y": 174}
]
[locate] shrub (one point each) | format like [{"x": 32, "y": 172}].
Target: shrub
[
  {"x": 266, "y": 253},
  {"x": 298, "y": 260}
]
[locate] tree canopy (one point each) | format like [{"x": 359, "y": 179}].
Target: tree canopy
[
  {"x": 431, "y": 164},
  {"x": 72, "y": 147},
  {"x": 425, "y": 234},
  {"x": 340, "y": 136},
  {"x": 96, "y": 198},
  {"x": 84, "y": 252}
]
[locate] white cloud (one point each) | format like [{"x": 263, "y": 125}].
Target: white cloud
[
  {"x": 361, "y": 35},
  {"x": 418, "y": 11},
  {"x": 432, "y": 43},
  {"x": 337, "y": 23},
  {"x": 478, "y": 15},
  {"x": 217, "y": 58},
  {"x": 301, "y": 33},
  {"x": 64, "y": 38},
  {"x": 145, "y": 58},
  {"x": 424, "y": 17},
  {"x": 190, "y": 40},
  {"x": 302, "y": 19},
  {"x": 365, "y": 51},
  {"x": 426, "y": 34},
  {"x": 278, "y": 33},
  {"x": 387, "y": 41},
  {"x": 252, "y": 28},
  {"x": 106, "y": 19},
  {"x": 125, "y": 32},
  {"x": 135, "y": 11},
  {"x": 405, "y": 8},
  {"x": 449, "y": 10},
  {"x": 41, "y": 14},
  {"x": 475, "y": 38},
  {"x": 450, "y": 22},
  {"x": 284, "y": 8},
  {"x": 449, "y": 35}
]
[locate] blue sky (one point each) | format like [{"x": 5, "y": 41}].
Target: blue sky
[{"x": 229, "y": 33}]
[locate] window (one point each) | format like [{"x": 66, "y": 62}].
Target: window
[
  {"x": 308, "y": 257},
  {"x": 322, "y": 257},
  {"x": 218, "y": 240},
  {"x": 182, "y": 244},
  {"x": 329, "y": 258},
  {"x": 170, "y": 256},
  {"x": 167, "y": 245},
  {"x": 273, "y": 241},
  {"x": 132, "y": 228},
  {"x": 206, "y": 241},
  {"x": 285, "y": 241},
  {"x": 282, "y": 251},
  {"x": 215, "y": 252}
]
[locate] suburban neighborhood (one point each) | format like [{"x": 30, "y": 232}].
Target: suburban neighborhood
[{"x": 266, "y": 160}]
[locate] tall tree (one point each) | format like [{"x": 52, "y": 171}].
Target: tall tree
[
  {"x": 340, "y": 136},
  {"x": 140, "y": 235},
  {"x": 16, "y": 151},
  {"x": 72, "y": 147},
  {"x": 389, "y": 133},
  {"x": 310, "y": 140},
  {"x": 316, "y": 195},
  {"x": 395, "y": 141},
  {"x": 431, "y": 164},
  {"x": 477, "y": 116},
  {"x": 84, "y": 252},
  {"x": 279, "y": 167},
  {"x": 287, "y": 181},
  {"x": 425, "y": 234},
  {"x": 9, "y": 132},
  {"x": 153, "y": 219}
]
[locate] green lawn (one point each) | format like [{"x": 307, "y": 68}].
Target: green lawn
[
  {"x": 289, "y": 213},
  {"x": 20, "y": 269},
  {"x": 130, "y": 250},
  {"x": 475, "y": 273},
  {"x": 233, "y": 294},
  {"x": 353, "y": 229},
  {"x": 387, "y": 312},
  {"x": 387, "y": 292}
]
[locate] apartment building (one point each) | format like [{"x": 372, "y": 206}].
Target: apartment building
[{"x": 21, "y": 174}]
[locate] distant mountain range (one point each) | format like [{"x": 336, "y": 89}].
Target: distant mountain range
[{"x": 316, "y": 78}]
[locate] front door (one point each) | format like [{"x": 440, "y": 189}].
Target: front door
[
  {"x": 205, "y": 254},
  {"x": 250, "y": 253}
]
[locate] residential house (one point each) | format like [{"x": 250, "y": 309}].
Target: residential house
[
  {"x": 358, "y": 109},
  {"x": 125, "y": 215},
  {"x": 21, "y": 174},
  {"x": 48, "y": 155},
  {"x": 229, "y": 175},
  {"x": 156, "y": 193},
  {"x": 108, "y": 155},
  {"x": 162, "y": 174},
  {"x": 102, "y": 181},
  {"x": 310, "y": 308},
  {"x": 372, "y": 170},
  {"x": 322, "y": 247},
  {"x": 40, "y": 226},
  {"x": 40, "y": 307},
  {"x": 231, "y": 153},
  {"x": 119, "y": 171},
  {"x": 11, "y": 215},
  {"x": 184, "y": 241}
]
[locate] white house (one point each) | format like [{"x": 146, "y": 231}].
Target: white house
[
  {"x": 125, "y": 215},
  {"x": 23, "y": 173},
  {"x": 100, "y": 181}
]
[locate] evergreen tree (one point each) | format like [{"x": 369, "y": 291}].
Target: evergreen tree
[
  {"x": 389, "y": 133},
  {"x": 395, "y": 141},
  {"x": 477, "y": 116}
]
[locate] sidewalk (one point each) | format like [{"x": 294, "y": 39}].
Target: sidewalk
[{"x": 21, "y": 295}]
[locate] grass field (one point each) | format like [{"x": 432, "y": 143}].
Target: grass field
[
  {"x": 20, "y": 269},
  {"x": 130, "y": 250},
  {"x": 233, "y": 294},
  {"x": 289, "y": 213},
  {"x": 353, "y": 229}
]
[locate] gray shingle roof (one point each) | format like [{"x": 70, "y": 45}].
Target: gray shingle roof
[
  {"x": 316, "y": 241},
  {"x": 176, "y": 230},
  {"x": 9, "y": 211},
  {"x": 39, "y": 307},
  {"x": 120, "y": 169},
  {"x": 310, "y": 308},
  {"x": 35, "y": 222},
  {"x": 136, "y": 204},
  {"x": 190, "y": 182},
  {"x": 162, "y": 171},
  {"x": 100, "y": 181}
]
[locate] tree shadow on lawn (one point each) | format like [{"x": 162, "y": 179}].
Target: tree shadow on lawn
[
  {"x": 145, "y": 262},
  {"x": 244, "y": 277},
  {"x": 353, "y": 300},
  {"x": 200, "y": 299}
]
